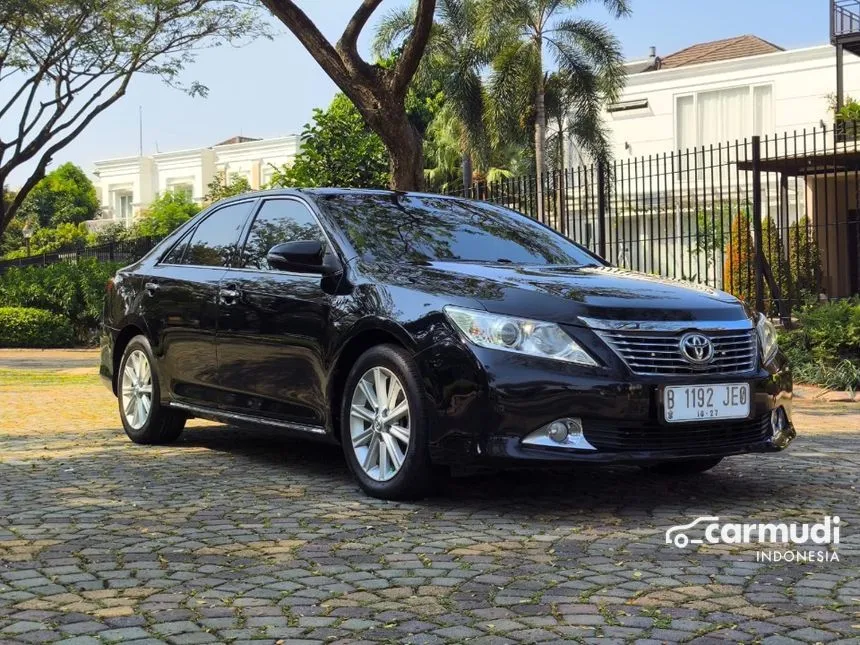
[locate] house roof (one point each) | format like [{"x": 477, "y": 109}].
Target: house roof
[
  {"x": 237, "y": 139},
  {"x": 728, "y": 48}
]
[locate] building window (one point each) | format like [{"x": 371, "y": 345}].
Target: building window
[
  {"x": 124, "y": 206},
  {"x": 720, "y": 116},
  {"x": 183, "y": 189}
]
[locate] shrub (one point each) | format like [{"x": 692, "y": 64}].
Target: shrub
[
  {"x": 73, "y": 291},
  {"x": 825, "y": 347},
  {"x": 796, "y": 275},
  {"x": 28, "y": 327},
  {"x": 47, "y": 240},
  {"x": 169, "y": 211}
]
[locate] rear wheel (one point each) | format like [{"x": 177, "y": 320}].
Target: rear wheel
[
  {"x": 384, "y": 427},
  {"x": 143, "y": 417},
  {"x": 684, "y": 467}
]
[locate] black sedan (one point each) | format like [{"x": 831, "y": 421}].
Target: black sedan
[{"x": 424, "y": 332}]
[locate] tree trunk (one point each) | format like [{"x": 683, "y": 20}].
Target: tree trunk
[
  {"x": 467, "y": 174},
  {"x": 405, "y": 150},
  {"x": 540, "y": 134}
]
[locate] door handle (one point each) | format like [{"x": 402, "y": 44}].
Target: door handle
[
  {"x": 151, "y": 288},
  {"x": 228, "y": 296}
]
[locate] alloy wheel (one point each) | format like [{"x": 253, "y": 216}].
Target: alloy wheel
[
  {"x": 137, "y": 390},
  {"x": 379, "y": 423}
]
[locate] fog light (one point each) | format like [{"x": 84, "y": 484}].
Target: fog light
[
  {"x": 561, "y": 433},
  {"x": 557, "y": 431}
]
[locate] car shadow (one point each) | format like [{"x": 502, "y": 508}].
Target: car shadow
[{"x": 745, "y": 478}]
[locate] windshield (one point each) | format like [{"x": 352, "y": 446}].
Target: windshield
[{"x": 408, "y": 228}]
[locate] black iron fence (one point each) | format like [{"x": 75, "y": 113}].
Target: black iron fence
[
  {"x": 126, "y": 251},
  {"x": 774, "y": 220}
]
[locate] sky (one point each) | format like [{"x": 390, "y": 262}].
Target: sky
[{"x": 269, "y": 88}]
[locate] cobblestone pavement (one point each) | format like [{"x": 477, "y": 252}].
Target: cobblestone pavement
[{"x": 232, "y": 535}]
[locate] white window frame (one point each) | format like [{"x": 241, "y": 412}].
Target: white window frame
[{"x": 695, "y": 94}]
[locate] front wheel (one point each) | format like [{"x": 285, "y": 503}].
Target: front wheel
[
  {"x": 143, "y": 417},
  {"x": 684, "y": 467},
  {"x": 384, "y": 426}
]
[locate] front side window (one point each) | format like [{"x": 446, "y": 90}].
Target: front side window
[
  {"x": 407, "y": 228},
  {"x": 214, "y": 240},
  {"x": 277, "y": 222}
]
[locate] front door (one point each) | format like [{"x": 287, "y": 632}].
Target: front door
[
  {"x": 272, "y": 327},
  {"x": 180, "y": 303}
]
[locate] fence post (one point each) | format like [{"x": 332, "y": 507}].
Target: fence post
[
  {"x": 757, "y": 227},
  {"x": 601, "y": 209}
]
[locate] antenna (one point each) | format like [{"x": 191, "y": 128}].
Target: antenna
[{"x": 140, "y": 129}]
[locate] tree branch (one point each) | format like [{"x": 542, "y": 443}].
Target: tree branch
[
  {"x": 306, "y": 31},
  {"x": 407, "y": 65}
]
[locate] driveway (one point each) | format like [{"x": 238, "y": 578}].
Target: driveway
[{"x": 232, "y": 535}]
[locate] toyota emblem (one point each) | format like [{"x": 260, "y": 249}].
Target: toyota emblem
[{"x": 697, "y": 349}]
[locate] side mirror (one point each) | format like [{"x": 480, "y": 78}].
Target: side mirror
[{"x": 303, "y": 256}]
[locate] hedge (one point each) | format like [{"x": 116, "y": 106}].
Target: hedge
[
  {"x": 73, "y": 291},
  {"x": 28, "y": 327},
  {"x": 824, "y": 349}
]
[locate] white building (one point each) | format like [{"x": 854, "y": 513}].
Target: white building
[
  {"x": 725, "y": 90},
  {"x": 129, "y": 184}
]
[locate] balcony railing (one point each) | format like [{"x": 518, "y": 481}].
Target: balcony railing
[{"x": 844, "y": 19}]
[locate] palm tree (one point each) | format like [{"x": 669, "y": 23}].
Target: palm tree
[
  {"x": 587, "y": 57},
  {"x": 453, "y": 59}
]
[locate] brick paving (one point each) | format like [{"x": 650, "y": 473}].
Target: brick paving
[{"x": 233, "y": 535}]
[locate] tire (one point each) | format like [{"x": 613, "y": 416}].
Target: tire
[
  {"x": 685, "y": 467},
  {"x": 403, "y": 439},
  {"x": 152, "y": 424}
]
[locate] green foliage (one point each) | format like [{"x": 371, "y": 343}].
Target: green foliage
[
  {"x": 12, "y": 238},
  {"x": 28, "y": 327},
  {"x": 796, "y": 272},
  {"x": 338, "y": 149},
  {"x": 219, "y": 188},
  {"x": 64, "y": 196},
  {"x": 169, "y": 211},
  {"x": 850, "y": 110},
  {"x": 824, "y": 349},
  {"x": 112, "y": 232},
  {"x": 804, "y": 258},
  {"x": 66, "y": 61},
  {"x": 48, "y": 240},
  {"x": 586, "y": 56},
  {"x": 73, "y": 291}
]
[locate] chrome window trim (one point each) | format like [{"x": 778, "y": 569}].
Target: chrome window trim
[
  {"x": 192, "y": 229},
  {"x": 240, "y": 251},
  {"x": 247, "y": 418},
  {"x": 667, "y": 325}
]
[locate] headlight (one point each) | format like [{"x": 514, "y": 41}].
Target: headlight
[
  {"x": 518, "y": 335},
  {"x": 766, "y": 338}
]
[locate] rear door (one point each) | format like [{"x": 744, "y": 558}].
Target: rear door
[
  {"x": 180, "y": 303},
  {"x": 273, "y": 331}
]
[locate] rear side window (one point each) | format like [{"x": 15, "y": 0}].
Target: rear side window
[
  {"x": 214, "y": 240},
  {"x": 176, "y": 253},
  {"x": 279, "y": 221}
]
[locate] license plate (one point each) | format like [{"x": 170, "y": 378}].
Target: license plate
[{"x": 706, "y": 402}]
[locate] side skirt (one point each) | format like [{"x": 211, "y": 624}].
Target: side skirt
[{"x": 214, "y": 414}]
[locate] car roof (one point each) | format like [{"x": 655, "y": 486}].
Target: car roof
[{"x": 332, "y": 192}]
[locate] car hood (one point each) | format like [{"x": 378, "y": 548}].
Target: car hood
[{"x": 567, "y": 294}]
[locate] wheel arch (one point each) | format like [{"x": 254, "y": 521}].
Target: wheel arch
[
  {"x": 365, "y": 336},
  {"x": 126, "y": 333}
]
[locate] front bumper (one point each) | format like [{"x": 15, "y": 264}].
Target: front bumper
[{"x": 486, "y": 402}]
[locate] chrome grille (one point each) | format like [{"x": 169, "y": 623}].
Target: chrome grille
[{"x": 651, "y": 352}]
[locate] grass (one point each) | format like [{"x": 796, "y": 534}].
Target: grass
[{"x": 20, "y": 377}]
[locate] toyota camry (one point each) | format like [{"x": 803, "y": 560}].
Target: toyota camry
[{"x": 423, "y": 332}]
